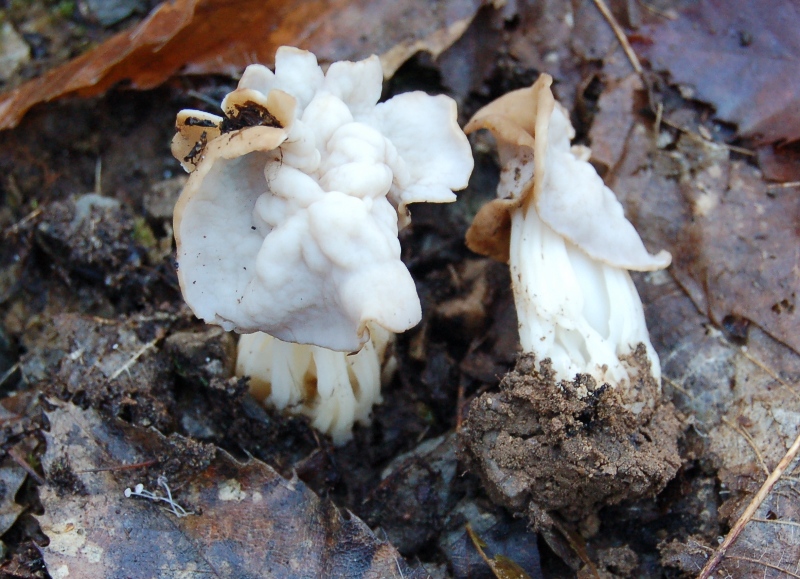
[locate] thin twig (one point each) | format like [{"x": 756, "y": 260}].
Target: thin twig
[
  {"x": 752, "y": 443},
  {"x": 786, "y": 185},
  {"x": 678, "y": 387},
  {"x": 748, "y": 513},
  {"x": 746, "y": 353},
  {"x": 126, "y": 366},
  {"x": 620, "y": 34},
  {"x": 9, "y": 373},
  {"x": 14, "y": 229},
  {"x": 700, "y": 138},
  {"x": 25, "y": 466}
]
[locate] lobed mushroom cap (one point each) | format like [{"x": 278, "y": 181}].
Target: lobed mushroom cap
[
  {"x": 540, "y": 168},
  {"x": 288, "y": 224}
]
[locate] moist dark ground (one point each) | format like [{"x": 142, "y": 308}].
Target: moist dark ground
[{"x": 88, "y": 288}]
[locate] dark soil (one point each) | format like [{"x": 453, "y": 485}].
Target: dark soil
[
  {"x": 91, "y": 312},
  {"x": 571, "y": 447}
]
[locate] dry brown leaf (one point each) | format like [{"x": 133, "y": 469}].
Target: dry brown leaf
[
  {"x": 223, "y": 36},
  {"x": 741, "y": 56},
  {"x": 249, "y": 522},
  {"x": 744, "y": 403},
  {"x": 614, "y": 121},
  {"x": 734, "y": 240},
  {"x": 736, "y": 253},
  {"x": 780, "y": 163}
]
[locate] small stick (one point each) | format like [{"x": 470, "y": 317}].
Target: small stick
[
  {"x": 26, "y": 467},
  {"x": 786, "y": 185},
  {"x": 702, "y": 139},
  {"x": 22, "y": 222},
  {"x": 133, "y": 358},
  {"x": 9, "y": 373},
  {"x": 748, "y": 513},
  {"x": 620, "y": 34},
  {"x": 122, "y": 467}
]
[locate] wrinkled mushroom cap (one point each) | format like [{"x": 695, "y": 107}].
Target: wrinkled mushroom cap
[
  {"x": 541, "y": 170},
  {"x": 288, "y": 224}
]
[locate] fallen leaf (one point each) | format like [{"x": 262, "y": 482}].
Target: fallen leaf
[
  {"x": 11, "y": 478},
  {"x": 503, "y": 536},
  {"x": 742, "y": 57},
  {"x": 614, "y": 121},
  {"x": 249, "y": 521},
  {"x": 224, "y": 36},
  {"x": 734, "y": 240},
  {"x": 744, "y": 402},
  {"x": 780, "y": 163},
  {"x": 105, "y": 364},
  {"x": 415, "y": 494}
]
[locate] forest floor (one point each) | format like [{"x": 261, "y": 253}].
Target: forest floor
[{"x": 109, "y": 382}]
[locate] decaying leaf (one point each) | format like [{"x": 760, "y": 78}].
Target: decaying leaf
[
  {"x": 105, "y": 364},
  {"x": 745, "y": 404},
  {"x": 743, "y": 57},
  {"x": 249, "y": 521},
  {"x": 11, "y": 478},
  {"x": 734, "y": 240},
  {"x": 503, "y": 567},
  {"x": 614, "y": 121},
  {"x": 224, "y": 36}
]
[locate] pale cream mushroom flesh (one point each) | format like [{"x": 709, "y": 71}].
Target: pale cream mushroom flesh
[
  {"x": 288, "y": 223},
  {"x": 567, "y": 242}
]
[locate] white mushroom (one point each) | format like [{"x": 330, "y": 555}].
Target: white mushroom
[
  {"x": 567, "y": 241},
  {"x": 288, "y": 223},
  {"x": 335, "y": 390}
]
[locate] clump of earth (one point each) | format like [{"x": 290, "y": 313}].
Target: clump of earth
[{"x": 571, "y": 447}]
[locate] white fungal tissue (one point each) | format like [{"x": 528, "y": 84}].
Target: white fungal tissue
[
  {"x": 288, "y": 223},
  {"x": 570, "y": 246}
]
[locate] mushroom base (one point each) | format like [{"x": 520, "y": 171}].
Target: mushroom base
[
  {"x": 571, "y": 447},
  {"x": 334, "y": 389}
]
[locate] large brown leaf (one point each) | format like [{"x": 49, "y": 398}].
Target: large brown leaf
[
  {"x": 223, "y": 36},
  {"x": 734, "y": 242},
  {"x": 250, "y": 522},
  {"x": 741, "y": 56}
]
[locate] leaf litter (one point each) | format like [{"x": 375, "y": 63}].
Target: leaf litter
[
  {"x": 247, "y": 520},
  {"x": 742, "y": 57},
  {"x": 686, "y": 190},
  {"x": 222, "y": 37}
]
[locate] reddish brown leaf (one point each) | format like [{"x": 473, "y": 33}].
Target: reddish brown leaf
[
  {"x": 780, "y": 163},
  {"x": 613, "y": 123},
  {"x": 223, "y": 36},
  {"x": 741, "y": 56},
  {"x": 734, "y": 240},
  {"x": 250, "y": 522}
]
